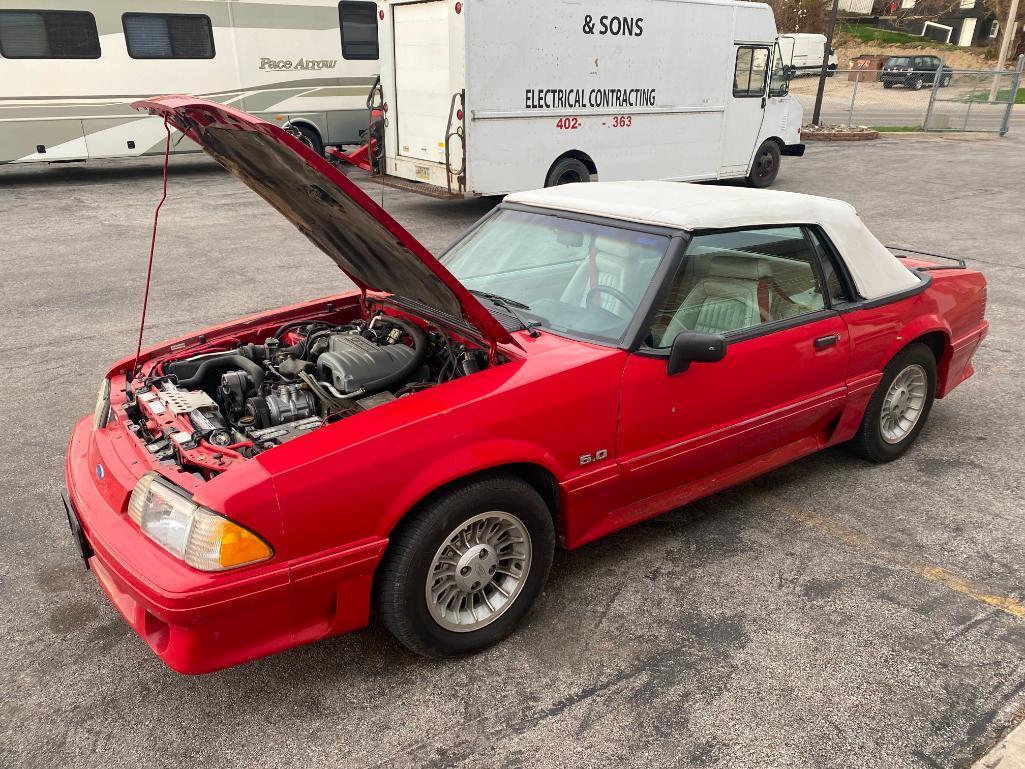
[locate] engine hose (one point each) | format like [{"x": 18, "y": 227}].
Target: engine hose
[
  {"x": 415, "y": 362},
  {"x": 192, "y": 374},
  {"x": 305, "y": 347}
]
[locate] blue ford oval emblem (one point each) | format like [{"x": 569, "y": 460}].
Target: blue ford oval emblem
[{"x": 99, "y": 471}]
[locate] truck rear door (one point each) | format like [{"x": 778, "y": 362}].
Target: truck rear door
[{"x": 422, "y": 87}]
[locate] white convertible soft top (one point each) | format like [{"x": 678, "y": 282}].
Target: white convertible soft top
[{"x": 875, "y": 270}]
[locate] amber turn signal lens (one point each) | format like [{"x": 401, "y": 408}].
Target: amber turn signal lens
[{"x": 239, "y": 547}]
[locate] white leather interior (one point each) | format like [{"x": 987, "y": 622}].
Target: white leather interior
[
  {"x": 617, "y": 263},
  {"x": 726, "y": 299}
]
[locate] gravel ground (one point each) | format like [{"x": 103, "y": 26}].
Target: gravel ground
[{"x": 830, "y": 614}]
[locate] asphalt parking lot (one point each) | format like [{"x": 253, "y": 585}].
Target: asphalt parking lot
[{"x": 830, "y": 614}]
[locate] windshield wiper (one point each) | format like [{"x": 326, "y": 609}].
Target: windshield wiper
[
  {"x": 509, "y": 304},
  {"x": 500, "y": 300}
]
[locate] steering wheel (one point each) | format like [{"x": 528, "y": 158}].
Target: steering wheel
[{"x": 613, "y": 292}]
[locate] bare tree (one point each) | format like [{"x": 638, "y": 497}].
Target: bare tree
[
  {"x": 925, "y": 9},
  {"x": 801, "y": 15},
  {"x": 1000, "y": 8}
]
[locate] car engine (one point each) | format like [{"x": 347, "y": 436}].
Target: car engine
[{"x": 250, "y": 398}]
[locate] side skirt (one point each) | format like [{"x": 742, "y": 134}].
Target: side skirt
[{"x": 710, "y": 484}]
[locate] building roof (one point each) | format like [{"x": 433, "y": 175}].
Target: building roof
[{"x": 875, "y": 270}]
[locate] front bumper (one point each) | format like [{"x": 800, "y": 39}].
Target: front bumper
[
  {"x": 194, "y": 621},
  {"x": 793, "y": 150}
]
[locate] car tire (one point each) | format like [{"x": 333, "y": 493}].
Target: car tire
[
  {"x": 567, "y": 171},
  {"x": 310, "y": 138},
  {"x": 765, "y": 166},
  {"x": 916, "y": 83},
  {"x": 887, "y": 84},
  {"x": 421, "y": 562},
  {"x": 944, "y": 81},
  {"x": 908, "y": 387}
]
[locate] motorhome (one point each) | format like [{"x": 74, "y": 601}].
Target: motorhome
[
  {"x": 69, "y": 70},
  {"x": 804, "y": 52},
  {"x": 484, "y": 97}
]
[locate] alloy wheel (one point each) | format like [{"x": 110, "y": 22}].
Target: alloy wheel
[
  {"x": 903, "y": 404},
  {"x": 478, "y": 572}
]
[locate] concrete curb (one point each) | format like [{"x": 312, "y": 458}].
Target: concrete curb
[{"x": 1009, "y": 753}]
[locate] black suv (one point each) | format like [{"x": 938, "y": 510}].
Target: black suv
[{"x": 913, "y": 72}]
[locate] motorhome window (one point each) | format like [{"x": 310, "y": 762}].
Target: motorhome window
[
  {"x": 48, "y": 35},
  {"x": 749, "y": 75},
  {"x": 168, "y": 36},
  {"x": 358, "y": 24}
]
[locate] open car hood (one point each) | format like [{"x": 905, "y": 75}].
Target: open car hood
[{"x": 362, "y": 239}]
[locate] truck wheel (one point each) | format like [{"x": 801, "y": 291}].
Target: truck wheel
[
  {"x": 310, "y": 137},
  {"x": 464, "y": 572},
  {"x": 899, "y": 406},
  {"x": 944, "y": 81},
  {"x": 887, "y": 84},
  {"x": 765, "y": 166},
  {"x": 916, "y": 84},
  {"x": 567, "y": 171}
]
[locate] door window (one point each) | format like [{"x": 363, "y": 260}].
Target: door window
[
  {"x": 779, "y": 85},
  {"x": 358, "y": 25},
  {"x": 750, "y": 72},
  {"x": 732, "y": 281}
]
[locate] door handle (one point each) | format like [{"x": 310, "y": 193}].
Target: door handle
[{"x": 826, "y": 341}]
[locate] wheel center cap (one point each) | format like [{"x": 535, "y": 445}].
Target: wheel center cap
[
  {"x": 901, "y": 401},
  {"x": 476, "y": 568}
]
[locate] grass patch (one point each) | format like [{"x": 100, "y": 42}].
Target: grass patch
[
  {"x": 1004, "y": 93},
  {"x": 896, "y": 129},
  {"x": 876, "y": 36},
  {"x": 981, "y": 95}
]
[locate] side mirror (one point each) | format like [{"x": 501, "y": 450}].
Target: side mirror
[
  {"x": 694, "y": 347},
  {"x": 789, "y": 71}
]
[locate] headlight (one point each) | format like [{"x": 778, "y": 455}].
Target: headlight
[
  {"x": 102, "y": 411},
  {"x": 200, "y": 537}
]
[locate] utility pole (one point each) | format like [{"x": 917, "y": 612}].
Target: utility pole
[
  {"x": 1005, "y": 46},
  {"x": 825, "y": 62}
]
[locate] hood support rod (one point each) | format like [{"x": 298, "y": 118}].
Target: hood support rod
[{"x": 152, "y": 249}]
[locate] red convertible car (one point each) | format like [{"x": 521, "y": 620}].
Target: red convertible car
[{"x": 583, "y": 358}]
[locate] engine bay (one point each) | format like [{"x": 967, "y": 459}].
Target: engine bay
[{"x": 209, "y": 409}]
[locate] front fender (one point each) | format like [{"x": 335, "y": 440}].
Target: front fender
[{"x": 464, "y": 463}]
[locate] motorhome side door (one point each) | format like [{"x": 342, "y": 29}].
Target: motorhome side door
[{"x": 745, "y": 106}]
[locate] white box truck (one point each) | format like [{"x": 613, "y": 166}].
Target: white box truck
[
  {"x": 804, "y": 52},
  {"x": 485, "y": 97}
]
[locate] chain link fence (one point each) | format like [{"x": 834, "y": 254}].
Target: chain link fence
[{"x": 940, "y": 99}]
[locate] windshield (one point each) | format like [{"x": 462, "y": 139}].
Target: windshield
[
  {"x": 566, "y": 275},
  {"x": 898, "y": 61}
]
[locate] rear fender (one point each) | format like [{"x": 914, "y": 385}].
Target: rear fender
[{"x": 915, "y": 330}]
